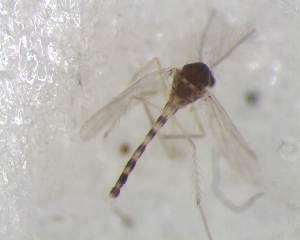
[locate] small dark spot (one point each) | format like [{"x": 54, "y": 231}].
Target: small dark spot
[
  {"x": 124, "y": 148},
  {"x": 57, "y": 219},
  {"x": 251, "y": 97},
  {"x": 114, "y": 192},
  {"x": 126, "y": 220}
]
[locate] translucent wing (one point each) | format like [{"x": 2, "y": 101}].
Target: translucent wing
[
  {"x": 111, "y": 112},
  {"x": 220, "y": 39},
  {"x": 230, "y": 143}
]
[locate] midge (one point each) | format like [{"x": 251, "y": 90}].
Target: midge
[
  {"x": 190, "y": 83},
  {"x": 188, "y": 86}
]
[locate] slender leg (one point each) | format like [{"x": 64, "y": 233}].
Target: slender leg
[
  {"x": 215, "y": 188},
  {"x": 199, "y": 125},
  {"x": 146, "y": 69},
  {"x": 171, "y": 136},
  {"x": 196, "y": 180},
  {"x": 134, "y": 78}
]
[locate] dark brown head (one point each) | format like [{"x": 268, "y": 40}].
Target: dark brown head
[{"x": 198, "y": 74}]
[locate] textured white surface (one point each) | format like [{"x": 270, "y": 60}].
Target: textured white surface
[{"x": 62, "y": 61}]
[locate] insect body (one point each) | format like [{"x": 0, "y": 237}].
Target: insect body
[{"x": 188, "y": 86}]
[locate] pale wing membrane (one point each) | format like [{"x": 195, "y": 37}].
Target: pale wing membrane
[
  {"x": 230, "y": 143},
  {"x": 221, "y": 39},
  {"x": 117, "y": 106}
]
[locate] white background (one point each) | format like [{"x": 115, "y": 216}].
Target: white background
[{"x": 62, "y": 61}]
